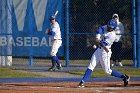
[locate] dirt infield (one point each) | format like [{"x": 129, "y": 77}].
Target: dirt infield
[{"x": 69, "y": 87}]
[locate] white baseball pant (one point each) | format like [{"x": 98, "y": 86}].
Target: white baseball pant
[
  {"x": 100, "y": 55},
  {"x": 55, "y": 46}
]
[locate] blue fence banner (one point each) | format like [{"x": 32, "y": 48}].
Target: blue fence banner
[{"x": 29, "y": 20}]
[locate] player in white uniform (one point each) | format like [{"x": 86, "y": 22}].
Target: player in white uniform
[
  {"x": 55, "y": 35},
  {"x": 105, "y": 37}
]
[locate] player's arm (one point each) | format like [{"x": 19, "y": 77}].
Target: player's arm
[
  {"x": 47, "y": 30},
  {"x": 98, "y": 35},
  {"x": 51, "y": 32},
  {"x": 103, "y": 44}
]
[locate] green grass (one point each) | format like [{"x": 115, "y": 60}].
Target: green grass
[
  {"x": 8, "y": 73},
  {"x": 132, "y": 72},
  {"x": 86, "y": 62}
]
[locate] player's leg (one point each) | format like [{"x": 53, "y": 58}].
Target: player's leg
[
  {"x": 59, "y": 66},
  {"x": 125, "y": 78},
  {"x": 105, "y": 63},
  {"x": 58, "y": 44},
  {"x": 53, "y": 67},
  {"x": 94, "y": 60},
  {"x": 55, "y": 47},
  {"x": 53, "y": 54}
]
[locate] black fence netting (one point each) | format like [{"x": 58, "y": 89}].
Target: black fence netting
[
  {"x": 85, "y": 18},
  {"x": 18, "y": 18}
]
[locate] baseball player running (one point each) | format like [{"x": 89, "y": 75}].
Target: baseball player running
[
  {"x": 105, "y": 37},
  {"x": 55, "y": 35}
]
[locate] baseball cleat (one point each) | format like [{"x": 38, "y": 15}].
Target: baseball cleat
[
  {"x": 52, "y": 68},
  {"x": 81, "y": 85},
  {"x": 59, "y": 67},
  {"x": 126, "y": 80}
]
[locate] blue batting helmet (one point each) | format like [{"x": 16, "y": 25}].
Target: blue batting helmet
[
  {"x": 52, "y": 17},
  {"x": 112, "y": 24}
]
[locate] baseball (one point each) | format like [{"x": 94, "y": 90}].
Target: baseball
[{"x": 94, "y": 46}]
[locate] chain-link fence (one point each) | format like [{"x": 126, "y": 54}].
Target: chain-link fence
[
  {"x": 22, "y": 30},
  {"x": 86, "y": 16},
  {"x": 5, "y": 34}
]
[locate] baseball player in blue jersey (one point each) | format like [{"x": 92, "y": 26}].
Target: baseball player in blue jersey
[
  {"x": 105, "y": 37},
  {"x": 55, "y": 35}
]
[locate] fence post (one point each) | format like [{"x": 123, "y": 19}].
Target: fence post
[
  {"x": 9, "y": 32},
  {"x": 138, "y": 37},
  {"x": 67, "y": 32},
  {"x": 134, "y": 34},
  {"x": 30, "y": 29}
]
